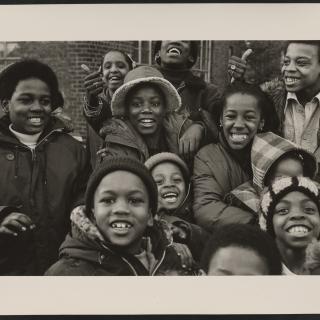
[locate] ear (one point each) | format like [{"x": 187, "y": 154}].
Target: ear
[
  {"x": 150, "y": 220},
  {"x": 157, "y": 58},
  {"x": 191, "y": 59},
  {"x": 261, "y": 125},
  {"x": 5, "y": 105}
]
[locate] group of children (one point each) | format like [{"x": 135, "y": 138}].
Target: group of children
[{"x": 176, "y": 179}]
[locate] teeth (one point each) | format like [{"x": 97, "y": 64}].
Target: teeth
[
  {"x": 238, "y": 137},
  {"x": 147, "y": 120},
  {"x": 298, "y": 230},
  {"x": 175, "y": 51},
  {"x": 120, "y": 225},
  {"x": 114, "y": 78},
  {"x": 170, "y": 197},
  {"x": 291, "y": 80},
  {"x": 35, "y": 120}
]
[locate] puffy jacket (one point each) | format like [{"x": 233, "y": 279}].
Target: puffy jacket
[
  {"x": 215, "y": 174},
  {"x": 45, "y": 184},
  {"x": 85, "y": 253},
  {"x": 122, "y": 139}
]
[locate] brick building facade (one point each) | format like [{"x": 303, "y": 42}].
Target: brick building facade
[{"x": 66, "y": 58}]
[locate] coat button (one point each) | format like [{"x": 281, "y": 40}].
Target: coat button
[{"x": 10, "y": 156}]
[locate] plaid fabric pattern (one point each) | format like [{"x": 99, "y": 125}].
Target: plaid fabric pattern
[{"x": 267, "y": 148}]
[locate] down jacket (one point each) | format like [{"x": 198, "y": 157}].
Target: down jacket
[
  {"x": 86, "y": 253},
  {"x": 215, "y": 174},
  {"x": 45, "y": 184}
]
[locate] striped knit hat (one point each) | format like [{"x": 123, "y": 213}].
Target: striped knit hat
[
  {"x": 278, "y": 190},
  {"x": 267, "y": 148},
  {"x": 147, "y": 75}
]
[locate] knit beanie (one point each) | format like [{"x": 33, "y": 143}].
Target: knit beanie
[
  {"x": 144, "y": 75},
  {"x": 161, "y": 157},
  {"x": 278, "y": 190},
  {"x": 194, "y": 51},
  {"x": 122, "y": 164}
]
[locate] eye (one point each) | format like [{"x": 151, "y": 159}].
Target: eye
[
  {"x": 25, "y": 100},
  {"x": 107, "y": 66},
  {"x": 45, "y": 102},
  {"x": 158, "y": 181},
  {"x": 281, "y": 211},
  {"x": 121, "y": 65},
  {"x": 251, "y": 118},
  {"x": 303, "y": 63},
  {"x": 155, "y": 104},
  {"x": 286, "y": 62},
  {"x": 229, "y": 116},
  {"x": 309, "y": 210},
  {"x": 136, "y": 104},
  {"x": 136, "y": 200},
  {"x": 177, "y": 180},
  {"x": 108, "y": 200}
]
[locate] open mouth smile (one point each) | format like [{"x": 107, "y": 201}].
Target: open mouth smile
[
  {"x": 298, "y": 230},
  {"x": 174, "y": 51},
  {"x": 36, "y": 120},
  {"x": 238, "y": 137},
  {"x": 121, "y": 226},
  {"x": 291, "y": 80},
  {"x": 147, "y": 122},
  {"x": 170, "y": 197}
]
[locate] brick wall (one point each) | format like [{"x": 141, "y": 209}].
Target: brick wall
[{"x": 65, "y": 59}]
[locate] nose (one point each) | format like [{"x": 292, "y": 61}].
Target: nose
[
  {"x": 36, "y": 106},
  {"x": 146, "y": 108},
  {"x": 239, "y": 123},
  {"x": 120, "y": 207},
  {"x": 296, "y": 214},
  {"x": 113, "y": 68}
]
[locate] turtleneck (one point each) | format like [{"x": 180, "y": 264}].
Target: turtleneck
[{"x": 30, "y": 140}]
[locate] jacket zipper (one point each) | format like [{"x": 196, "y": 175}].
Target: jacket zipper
[
  {"x": 159, "y": 263},
  {"x": 130, "y": 265}
]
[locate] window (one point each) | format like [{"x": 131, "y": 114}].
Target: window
[{"x": 7, "y": 55}]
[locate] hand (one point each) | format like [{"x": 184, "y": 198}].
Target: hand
[
  {"x": 93, "y": 85},
  {"x": 240, "y": 67},
  {"x": 179, "y": 234},
  {"x": 16, "y": 222},
  {"x": 185, "y": 255},
  {"x": 190, "y": 141}
]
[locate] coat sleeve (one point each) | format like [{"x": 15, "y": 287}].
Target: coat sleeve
[{"x": 209, "y": 208}]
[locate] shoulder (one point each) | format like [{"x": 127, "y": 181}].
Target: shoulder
[{"x": 210, "y": 151}]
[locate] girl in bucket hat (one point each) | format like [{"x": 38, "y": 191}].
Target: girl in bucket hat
[
  {"x": 145, "y": 118},
  {"x": 290, "y": 213}
]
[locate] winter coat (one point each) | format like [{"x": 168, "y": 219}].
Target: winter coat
[
  {"x": 122, "y": 139},
  {"x": 216, "y": 173},
  {"x": 45, "y": 184},
  {"x": 86, "y": 253},
  {"x": 267, "y": 148}
]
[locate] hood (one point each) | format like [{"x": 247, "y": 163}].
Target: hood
[
  {"x": 267, "y": 148},
  {"x": 87, "y": 243}
]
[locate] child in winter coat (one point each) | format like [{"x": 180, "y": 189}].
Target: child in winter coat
[
  {"x": 239, "y": 249},
  {"x": 116, "y": 234},
  {"x": 272, "y": 157},
  {"x": 172, "y": 177},
  {"x": 290, "y": 214},
  {"x": 43, "y": 170}
]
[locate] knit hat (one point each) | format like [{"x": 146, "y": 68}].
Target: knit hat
[
  {"x": 278, "y": 190},
  {"x": 168, "y": 157},
  {"x": 147, "y": 75},
  {"x": 267, "y": 148},
  {"x": 26, "y": 69},
  {"x": 125, "y": 164},
  {"x": 194, "y": 51}
]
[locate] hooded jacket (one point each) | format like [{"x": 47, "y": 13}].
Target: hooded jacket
[
  {"x": 45, "y": 184},
  {"x": 267, "y": 148},
  {"x": 86, "y": 253}
]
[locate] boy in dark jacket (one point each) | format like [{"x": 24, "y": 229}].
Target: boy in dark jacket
[
  {"x": 115, "y": 234},
  {"x": 172, "y": 177},
  {"x": 43, "y": 170}
]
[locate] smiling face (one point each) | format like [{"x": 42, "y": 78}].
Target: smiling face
[
  {"x": 234, "y": 260},
  {"x": 114, "y": 69},
  {"x": 121, "y": 210},
  {"x": 146, "y": 109},
  {"x": 175, "y": 53},
  {"x": 30, "y": 107},
  {"x": 296, "y": 221},
  {"x": 241, "y": 119},
  {"x": 301, "y": 68},
  {"x": 171, "y": 185}
]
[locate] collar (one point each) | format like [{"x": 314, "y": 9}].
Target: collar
[
  {"x": 27, "y": 139},
  {"x": 293, "y": 96}
]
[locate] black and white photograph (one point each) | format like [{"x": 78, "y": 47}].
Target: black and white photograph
[{"x": 132, "y": 155}]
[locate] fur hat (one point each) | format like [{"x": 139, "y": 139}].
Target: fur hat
[
  {"x": 147, "y": 75},
  {"x": 168, "y": 157},
  {"x": 278, "y": 190},
  {"x": 125, "y": 164},
  {"x": 194, "y": 51}
]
